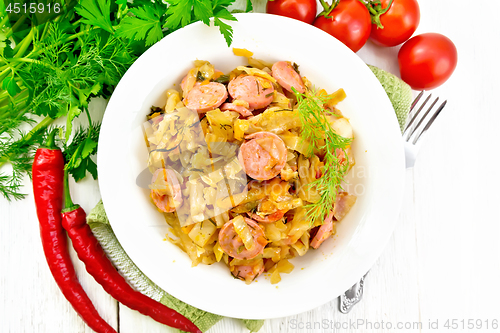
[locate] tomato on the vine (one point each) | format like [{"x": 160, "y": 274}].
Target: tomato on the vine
[
  {"x": 426, "y": 61},
  {"x": 302, "y": 10},
  {"x": 394, "y": 21},
  {"x": 349, "y": 21}
]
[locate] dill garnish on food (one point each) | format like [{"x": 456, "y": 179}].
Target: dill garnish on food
[{"x": 318, "y": 132}]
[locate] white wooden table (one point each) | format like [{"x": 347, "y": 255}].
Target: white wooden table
[{"x": 442, "y": 263}]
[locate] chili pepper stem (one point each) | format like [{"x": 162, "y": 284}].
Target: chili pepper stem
[
  {"x": 68, "y": 203},
  {"x": 50, "y": 143}
]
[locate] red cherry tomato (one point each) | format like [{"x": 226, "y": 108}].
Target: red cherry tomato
[
  {"x": 350, "y": 23},
  {"x": 302, "y": 10},
  {"x": 426, "y": 61},
  {"x": 399, "y": 22}
]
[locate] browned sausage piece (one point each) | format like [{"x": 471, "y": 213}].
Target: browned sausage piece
[
  {"x": 263, "y": 156},
  {"x": 166, "y": 195},
  {"x": 206, "y": 97},
  {"x": 324, "y": 232},
  {"x": 232, "y": 244},
  {"x": 238, "y": 108},
  {"x": 257, "y": 91},
  {"x": 287, "y": 77},
  {"x": 268, "y": 218},
  {"x": 248, "y": 273}
]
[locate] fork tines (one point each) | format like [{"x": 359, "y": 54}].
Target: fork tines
[{"x": 410, "y": 130}]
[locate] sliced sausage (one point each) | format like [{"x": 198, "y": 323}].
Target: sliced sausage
[
  {"x": 167, "y": 194},
  {"x": 268, "y": 218},
  {"x": 263, "y": 156},
  {"x": 248, "y": 273},
  {"x": 189, "y": 81},
  {"x": 324, "y": 231},
  {"x": 257, "y": 91},
  {"x": 343, "y": 205},
  {"x": 287, "y": 77},
  {"x": 232, "y": 244},
  {"x": 205, "y": 97},
  {"x": 238, "y": 108}
]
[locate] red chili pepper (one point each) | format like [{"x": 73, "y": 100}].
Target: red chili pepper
[
  {"x": 98, "y": 265},
  {"x": 48, "y": 168}
]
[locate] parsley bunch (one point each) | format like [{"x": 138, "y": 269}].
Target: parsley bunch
[{"x": 50, "y": 71}]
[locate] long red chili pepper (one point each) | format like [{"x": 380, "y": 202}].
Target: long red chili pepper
[
  {"x": 48, "y": 192},
  {"x": 98, "y": 265}
]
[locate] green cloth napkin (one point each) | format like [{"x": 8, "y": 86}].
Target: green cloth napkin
[
  {"x": 99, "y": 223},
  {"x": 400, "y": 95},
  {"x": 398, "y": 91}
]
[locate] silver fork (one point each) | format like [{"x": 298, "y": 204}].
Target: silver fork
[{"x": 413, "y": 131}]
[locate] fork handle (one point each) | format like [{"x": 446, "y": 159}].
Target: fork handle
[
  {"x": 351, "y": 296},
  {"x": 410, "y": 154}
]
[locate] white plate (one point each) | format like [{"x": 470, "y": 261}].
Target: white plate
[{"x": 377, "y": 178}]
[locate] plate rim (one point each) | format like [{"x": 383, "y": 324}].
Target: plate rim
[{"x": 244, "y": 17}]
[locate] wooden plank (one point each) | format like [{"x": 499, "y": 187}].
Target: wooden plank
[
  {"x": 456, "y": 178},
  {"x": 31, "y": 300}
]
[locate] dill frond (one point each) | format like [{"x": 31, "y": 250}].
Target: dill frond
[{"x": 317, "y": 131}]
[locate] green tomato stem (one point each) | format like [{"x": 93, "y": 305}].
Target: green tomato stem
[
  {"x": 327, "y": 9},
  {"x": 376, "y": 10}
]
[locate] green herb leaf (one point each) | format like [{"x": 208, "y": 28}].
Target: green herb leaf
[
  {"x": 92, "y": 168},
  {"x": 144, "y": 25},
  {"x": 249, "y": 6},
  {"x": 202, "y": 10},
  {"x": 80, "y": 171},
  {"x": 79, "y": 139},
  {"x": 182, "y": 12},
  {"x": 76, "y": 159},
  {"x": 225, "y": 29},
  {"x": 88, "y": 147},
  {"x": 218, "y": 4},
  {"x": 179, "y": 14},
  {"x": 222, "y": 79},
  {"x": 73, "y": 112},
  {"x": 96, "y": 12},
  {"x": 78, "y": 154},
  {"x": 3, "y": 44},
  {"x": 10, "y": 84}
]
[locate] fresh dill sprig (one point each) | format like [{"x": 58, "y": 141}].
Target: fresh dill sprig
[
  {"x": 9, "y": 186},
  {"x": 320, "y": 137},
  {"x": 18, "y": 148}
]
